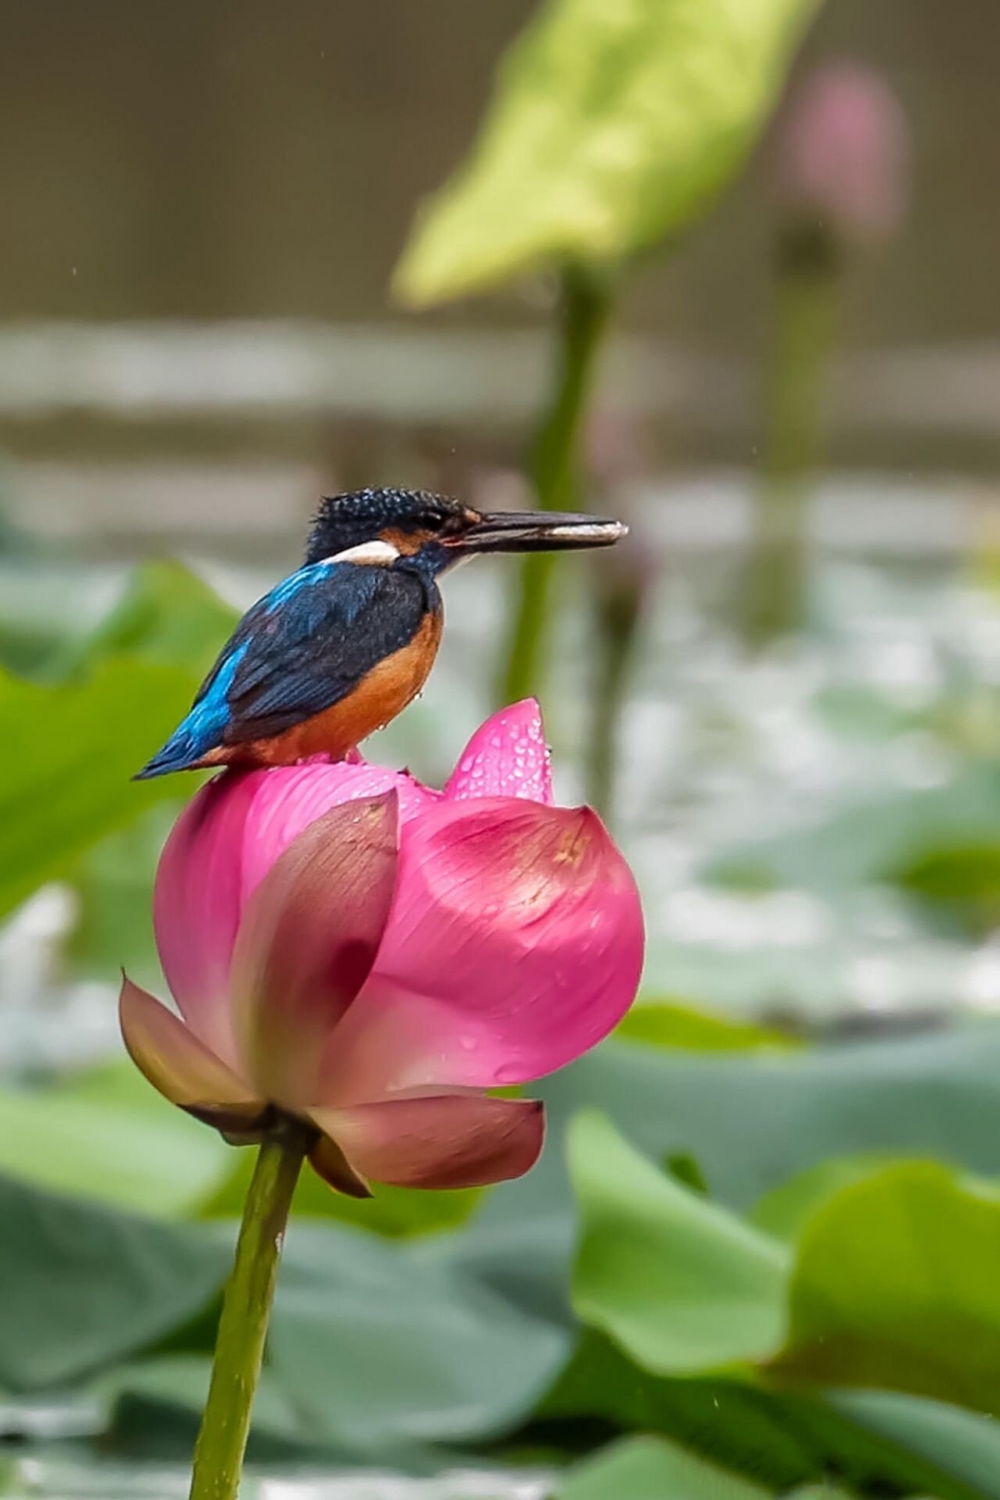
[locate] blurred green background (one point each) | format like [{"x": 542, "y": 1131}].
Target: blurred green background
[{"x": 724, "y": 268}]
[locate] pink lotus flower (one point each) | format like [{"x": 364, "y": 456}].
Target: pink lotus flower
[
  {"x": 351, "y": 948},
  {"x": 846, "y": 151}
]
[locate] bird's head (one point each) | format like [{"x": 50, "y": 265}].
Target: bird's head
[{"x": 375, "y": 524}]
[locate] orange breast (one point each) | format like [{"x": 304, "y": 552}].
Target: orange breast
[{"x": 379, "y": 696}]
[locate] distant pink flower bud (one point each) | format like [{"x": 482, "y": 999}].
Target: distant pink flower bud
[
  {"x": 369, "y": 955},
  {"x": 846, "y": 152}
]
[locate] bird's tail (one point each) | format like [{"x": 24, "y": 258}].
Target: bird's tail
[{"x": 182, "y": 752}]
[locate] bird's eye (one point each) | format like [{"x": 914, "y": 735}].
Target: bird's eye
[{"x": 433, "y": 521}]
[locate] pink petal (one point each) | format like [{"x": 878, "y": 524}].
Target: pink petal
[
  {"x": 181, "y": 1067},
  {"x": 440, "y": 1141},
  {"x": 289, "y": 798},
  {"x": 515, "y": 944},
  {"x": 198, "y": 902},
  {"x": 506, "y": 757},
  {"x": 221, "y": 848},
  {"x": 307, "y": 942}
]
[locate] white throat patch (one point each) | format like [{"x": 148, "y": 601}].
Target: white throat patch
[{"x": 379, "y": 553}]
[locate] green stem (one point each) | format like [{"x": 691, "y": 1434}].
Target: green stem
[
  {"x": 246, "y": 1311},
  {"x": 617, "y": 611},
  {"x": 775, "y": 596},
  {"x": 553, "y": 467}
]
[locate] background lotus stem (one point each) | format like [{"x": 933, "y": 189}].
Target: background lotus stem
[
  {"x": 554, "y": 471},
  {"x": 246, "y": 1311},
  {"x": 618, "y": 609},
  {"x": 777, "y": 573}
]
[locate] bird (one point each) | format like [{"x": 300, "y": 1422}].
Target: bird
[{"x": 342, "y": 645}]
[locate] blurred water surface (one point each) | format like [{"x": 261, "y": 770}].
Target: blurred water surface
[{"x": 58, "y": 1478}]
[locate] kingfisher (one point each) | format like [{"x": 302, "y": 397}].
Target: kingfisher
[{"x": 342, "y": 645}]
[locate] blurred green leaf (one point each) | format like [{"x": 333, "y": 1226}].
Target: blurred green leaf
[
  {"x": 819, "y": 1492},
  {"x": 58, "y": 620},
  {"x": 113, "y": 883},
  {"x": 614, "y": 123},
  {"x": 151, "y": 1158},
  {"x": 393, "y": 1212},
  {"x": 156, "y": 1405},
  {"x": 666, "y": 1023},
  {"x": 784, "y": 1211},
  {"x": 522, "y": 1261},
  {"x": 82, "y": 1285},
  {"x": 870, "y": 841},
  {"x": 753, "y": 1121},
  {"x": 70, "y": 747},
  {"x": 960, "y": 1444},
  {"x": 959, "y": 880},
  {"x": 647, "y": 1468},
  {"x": 682, "y": 1284},
  {"x": 892, "y": 1282},
  {"x": 743, "y": 1429},
  {"x": 380, "y": 1343},
  {"x": 168, "y": 616},
  {"x": 47, "y": 607},
  {"x": 745, "y": 876},
  {"x": 67, "y": 755},
  {"x": 116, "y": 1083},
  {"x": 875, "y": 1442},
  {"x": 895, "y": 1285},
  {"x": 682, "y": 1166}
]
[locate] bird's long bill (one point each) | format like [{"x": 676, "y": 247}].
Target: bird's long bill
[{"x": 539, "y": 531}]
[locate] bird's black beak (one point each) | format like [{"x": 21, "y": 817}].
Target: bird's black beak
[{"x": 537, "y": 531}]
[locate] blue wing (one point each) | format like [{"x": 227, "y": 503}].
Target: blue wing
[{"x": 297, "y": 651}]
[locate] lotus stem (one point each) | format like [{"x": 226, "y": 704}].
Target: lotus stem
[
  {"x": 586, "y": 303},
  {"x": 617, "y": 608},
  {"x": 777, "y": 576},
  {"x": 246, "y": 1312}
]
